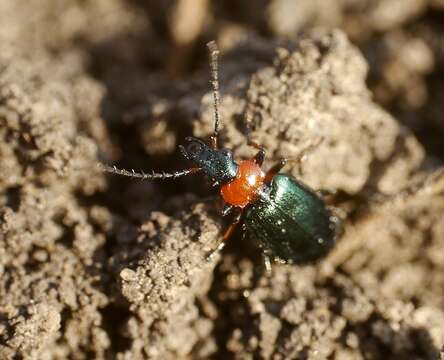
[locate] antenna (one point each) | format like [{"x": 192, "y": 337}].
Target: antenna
[
  {"x": 214, "y": 52},
  {"x": 144, "y": 176}
]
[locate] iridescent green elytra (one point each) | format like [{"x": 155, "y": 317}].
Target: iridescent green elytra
[{"x": 291, "y": 222}]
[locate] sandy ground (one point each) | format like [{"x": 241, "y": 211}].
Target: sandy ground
[{"x": 100, "y": 267}]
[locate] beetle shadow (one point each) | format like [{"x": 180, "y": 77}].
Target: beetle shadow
[{"x": 421, "y": 346}]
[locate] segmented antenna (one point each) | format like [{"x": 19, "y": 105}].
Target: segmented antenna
[
  {"x": 214, "y": 52},
  {"x": 146, "y": 176}
]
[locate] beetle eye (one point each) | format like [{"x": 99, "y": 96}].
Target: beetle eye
[
  {"x": 226, "y": 153},
  {"x": 194, "y": 148}
]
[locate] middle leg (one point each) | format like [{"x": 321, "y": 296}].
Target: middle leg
[
  {"x": 227, "y": 234},
  {"x": 260, "y": 156},
  {"x": 298, "y": 160}
]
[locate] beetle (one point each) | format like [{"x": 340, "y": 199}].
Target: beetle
[{"x": 290, "y": 221}]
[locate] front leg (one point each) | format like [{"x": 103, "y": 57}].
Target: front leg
[
  {"x": 227, "y": 234},
  {"x": 260, "y": 155},
  {"x": 227, "y": 209}
]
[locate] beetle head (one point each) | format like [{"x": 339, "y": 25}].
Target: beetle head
[{"x": 218, "y": 164}]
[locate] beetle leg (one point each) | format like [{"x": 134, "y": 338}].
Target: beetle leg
[
  {"x": 337, "y": 218},
  {"x": 298, "y": 160},
  {"x": 226, "y": 209},
  {"x": 259, "y": 157},
  {"x": 327, "y": 195},
  {"x": 327, "y": 192},
  {"x": 219, "y": 247},
  {"x": 310, "y": 147},
  {"x": 274, "y": 170},
  {"x": 226, "y": 236},
  {"x": 267, "y": 264}
]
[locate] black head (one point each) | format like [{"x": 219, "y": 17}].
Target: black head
[{"x": 217, "y": 164}]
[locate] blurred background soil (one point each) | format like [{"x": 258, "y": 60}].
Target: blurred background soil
[{"x": 99, "y": 267}]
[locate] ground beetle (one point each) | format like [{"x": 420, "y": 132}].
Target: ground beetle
[{"x": 290, "y": 221}]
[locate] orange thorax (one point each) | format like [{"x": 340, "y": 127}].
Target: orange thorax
[{"x": 243, "y": 189}]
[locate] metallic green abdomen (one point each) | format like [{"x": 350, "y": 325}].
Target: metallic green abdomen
[{"x": 291, "y": 221}]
